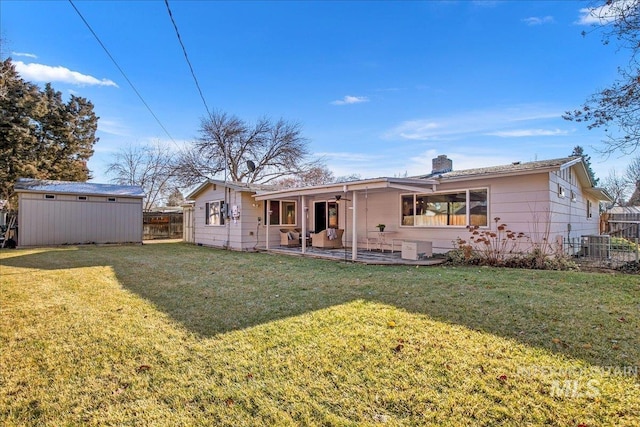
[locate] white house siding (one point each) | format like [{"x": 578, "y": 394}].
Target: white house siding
[
  {"x": 571, "y": 211},
  {"x": 240, "y": 234},
  {"x": 67, "y": 220}
]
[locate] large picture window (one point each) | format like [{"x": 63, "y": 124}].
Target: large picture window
[
  {"x": 281, "y": 212},
  {"x": 459, "y": 208},
  {"x": 214, "y": 212}
]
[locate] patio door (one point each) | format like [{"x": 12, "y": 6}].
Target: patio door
[{"x": 325, "y": 215}]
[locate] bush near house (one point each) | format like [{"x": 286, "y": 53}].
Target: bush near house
[{"x": 500, "y": 248}]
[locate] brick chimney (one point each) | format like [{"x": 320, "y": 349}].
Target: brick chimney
[{"x": 441, "y": 164}]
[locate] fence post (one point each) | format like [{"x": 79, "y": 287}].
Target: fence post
[{"x": 637, "y": 251}]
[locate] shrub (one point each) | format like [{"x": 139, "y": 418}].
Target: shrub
[
  {"x": 499, "y": 249},
  {"x": 632, "y": 267},
  {"x": 622, "y": 244}
]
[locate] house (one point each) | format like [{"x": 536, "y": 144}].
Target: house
[
  {"x": 547, "y": 200},
  {"x": 63, "y": 212},
  {"x": 226, "y": 215}
]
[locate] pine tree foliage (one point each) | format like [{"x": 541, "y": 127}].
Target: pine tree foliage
[
  {"x": 579, "y": 151},
  {"x": 41, "y": 136}
]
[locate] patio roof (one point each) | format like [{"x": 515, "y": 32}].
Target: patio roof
[{"x": 408, "y": 184}]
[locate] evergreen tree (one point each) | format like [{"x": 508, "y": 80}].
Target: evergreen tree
[
  {"x": 41, "y": 136},
  {"x": 579, "y": 151}
]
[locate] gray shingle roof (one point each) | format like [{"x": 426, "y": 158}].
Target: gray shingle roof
[
  {"x": 70, "y": 187},
  {"x": 513, "y": 167}
]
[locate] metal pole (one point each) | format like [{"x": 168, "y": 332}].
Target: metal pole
[{"x": 354, "y": 240}]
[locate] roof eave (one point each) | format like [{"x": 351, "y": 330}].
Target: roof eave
[
  {"x": 76, "y": 193},
  {"x": 410, "y": 184},
  {"x": 600, "y": 194}
]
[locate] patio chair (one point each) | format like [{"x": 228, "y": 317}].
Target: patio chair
[
  {"x": 289, "y": 237},
  {"x": 322, "y": 240}
]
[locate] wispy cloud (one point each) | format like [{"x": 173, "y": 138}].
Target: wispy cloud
[
  {"x": 605, "y": 13},
  {"x": 47, "y": 73},
  {"x": 23, "y": 54},
  {"x": 480, "y": 123},
  {"x": 518, "y": 133},
  {"x": 536, "y": 20},
  {"x": 113, "y": 127},
  {"x": 486, "y": 3},
  {"x": 347, "y": 156},
  {"x": 350, "y": 100}
]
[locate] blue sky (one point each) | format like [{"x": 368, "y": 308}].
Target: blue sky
[{"x": 380, "y": 88}]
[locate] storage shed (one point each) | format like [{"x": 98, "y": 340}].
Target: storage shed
[{"x": 62, "y": 212}]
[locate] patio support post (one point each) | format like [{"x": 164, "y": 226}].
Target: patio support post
[
  {"x": 354, "y": 229},
  {"x": 266, "y": 223},
  {"x": 303, "y": 238}
]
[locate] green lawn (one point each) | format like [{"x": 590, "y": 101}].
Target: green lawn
[{"x": 179, "y": 335}]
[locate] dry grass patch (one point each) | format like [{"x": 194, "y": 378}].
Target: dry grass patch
[{"x": 182, "y": 335}]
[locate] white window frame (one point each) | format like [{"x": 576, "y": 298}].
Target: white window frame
[
  {"x": 214, "y": 213},
  {"x": 561, "y": 192},
  {"x": 467, "y": 207}
]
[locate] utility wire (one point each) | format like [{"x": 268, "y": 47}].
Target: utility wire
[
  {"x": 122, "y": 72},
  {"x": 184, "y": 50}
]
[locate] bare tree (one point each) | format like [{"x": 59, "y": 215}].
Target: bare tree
[
  {"x": 632, "y": 176},
  {"x": 151, "y": 167},
  {"x": 316, "y": 175},
  {"x": 617, "y": 186},
  {"x": 632, "y": 173},
  {"x": 617, "y": 106},
  {"x": 258, "y": 153}
]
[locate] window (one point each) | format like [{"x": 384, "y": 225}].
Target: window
[
  {"x": 82, "y": 198},
  {"x": 573, "y": 196},
  {"x": 281, "y": 212},
  {"x": 49, "y": 196},
  {"x": 288, "y": 213},
  {"x": 560, "y": 191},
  {"x": 214, "y": 213},
  {"x": 447, "y": 209},
  {"x": 111, "y": 199}
]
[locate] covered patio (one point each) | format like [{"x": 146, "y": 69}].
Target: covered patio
[
  {"x": 370, "y": 257},
  {"x": 355, "y": 209}
]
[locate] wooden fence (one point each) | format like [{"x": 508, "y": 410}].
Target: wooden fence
[
  {"x": 626, "y": 225},
  {"x": 162, "y": 225}
]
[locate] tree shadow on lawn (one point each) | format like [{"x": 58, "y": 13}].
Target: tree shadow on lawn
[{"x": 588, "y": 316}]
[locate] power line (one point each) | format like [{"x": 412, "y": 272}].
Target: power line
[
  {"x": 122, "y": 72},
  {"x": 184, "y": 50}
]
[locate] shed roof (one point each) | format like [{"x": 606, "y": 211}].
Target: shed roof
[
  {"x": 624, "y": 210},
  {"x": 30, "y": 185}
]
